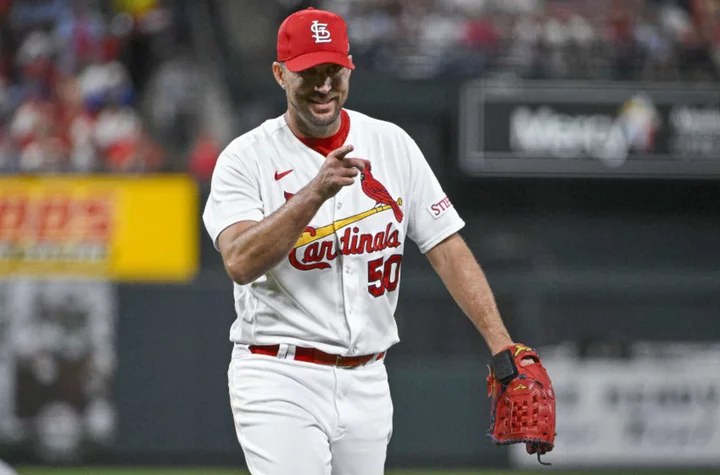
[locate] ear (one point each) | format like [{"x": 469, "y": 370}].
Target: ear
[{"x": 279, "y": 73}]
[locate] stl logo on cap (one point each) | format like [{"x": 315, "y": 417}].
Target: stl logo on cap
[{"x": 320, "y": 32}]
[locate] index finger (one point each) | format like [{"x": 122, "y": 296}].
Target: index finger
[
  {"x": 340, "y": 153},
  {"x": 359, "y": 163}
]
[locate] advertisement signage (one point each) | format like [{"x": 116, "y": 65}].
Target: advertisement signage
[
  {"x": 589, "y": 129},
  {"x": 57, "y": 368},
  {"x": 645, "y": 411},
  {"x": 123, "y": 229}
]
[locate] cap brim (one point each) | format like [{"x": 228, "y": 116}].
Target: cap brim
[{"x": 310, "y": 60}]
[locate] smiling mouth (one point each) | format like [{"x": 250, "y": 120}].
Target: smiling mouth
[{"x": 321, "y": 102}]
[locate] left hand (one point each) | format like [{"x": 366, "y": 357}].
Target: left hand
[{"x": 523, "y": 400}]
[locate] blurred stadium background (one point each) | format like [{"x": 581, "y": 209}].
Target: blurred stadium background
[{"x": 580, "y": 140}]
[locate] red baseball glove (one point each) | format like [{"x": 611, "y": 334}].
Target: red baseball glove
[{"x": 523, "y": 401}]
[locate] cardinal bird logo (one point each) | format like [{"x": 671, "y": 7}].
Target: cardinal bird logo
[{"x": 376, "y": 191}]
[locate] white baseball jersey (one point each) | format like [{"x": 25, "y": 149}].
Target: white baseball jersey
[{"x": 338, "y": 288}]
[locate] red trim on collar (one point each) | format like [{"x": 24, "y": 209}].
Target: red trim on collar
[{"x": 326, "y": 145}]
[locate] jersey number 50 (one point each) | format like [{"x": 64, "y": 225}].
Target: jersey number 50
[{"x": 386, "y": 274}]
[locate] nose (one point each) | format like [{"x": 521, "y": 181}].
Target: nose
[{"x": 325, "y": 86}]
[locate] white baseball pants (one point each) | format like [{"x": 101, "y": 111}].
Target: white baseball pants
[{"x": 293, "y": 417}]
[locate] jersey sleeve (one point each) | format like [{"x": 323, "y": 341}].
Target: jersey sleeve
[
  {"x": 234, "y": 194},
  {"x": 432, "y": 217}
]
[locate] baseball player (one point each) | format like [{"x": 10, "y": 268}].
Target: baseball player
[{"x": 310, "y": 212}]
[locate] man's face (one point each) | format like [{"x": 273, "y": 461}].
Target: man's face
[{"x": 317, "y": 94}]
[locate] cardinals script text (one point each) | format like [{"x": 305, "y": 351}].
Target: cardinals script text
[{"x": 316, "y": 254}]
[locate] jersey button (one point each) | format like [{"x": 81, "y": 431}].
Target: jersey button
[
  {"x": 354, "y": 350},
  {"x": 339, "y": 205}
]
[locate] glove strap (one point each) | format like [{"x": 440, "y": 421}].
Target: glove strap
[{"x": 503, "y": 365}]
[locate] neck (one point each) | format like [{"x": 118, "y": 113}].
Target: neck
[{"x": 303, "y": 129}]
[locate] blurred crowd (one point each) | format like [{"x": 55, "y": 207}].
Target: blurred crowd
[
  {"x": 655, "y": 40},
  {"x": 73, "y": 75},
  {"x": 114, "y": 86}
]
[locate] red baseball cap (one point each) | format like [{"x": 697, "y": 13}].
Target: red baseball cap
[{"x": 311, "y": 37}]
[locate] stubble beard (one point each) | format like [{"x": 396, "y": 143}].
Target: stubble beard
[
  {"x": 320, "y": 122},
  {"x": 312, "y": 122}
]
